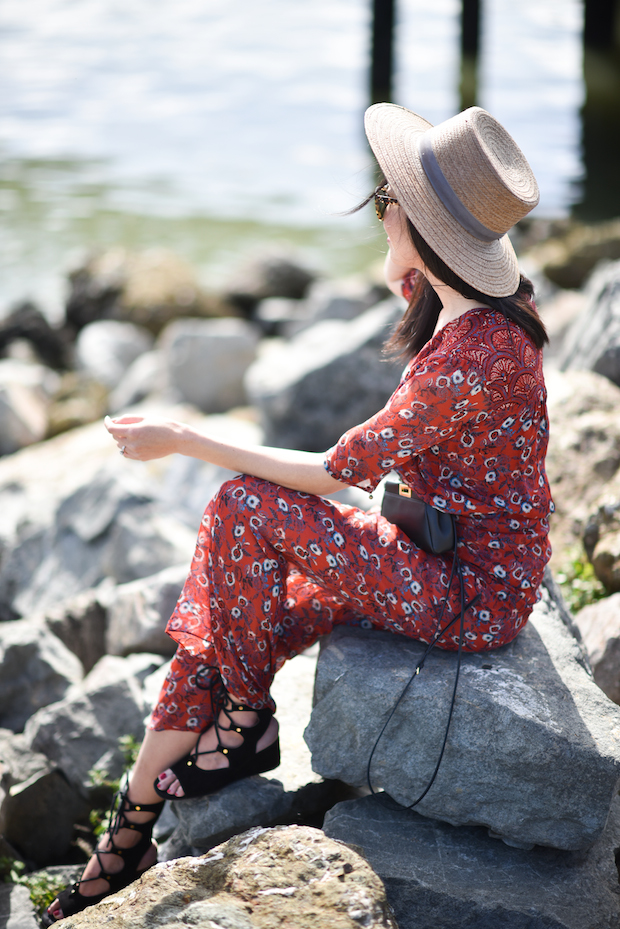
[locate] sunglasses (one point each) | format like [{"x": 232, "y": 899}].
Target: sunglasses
[{"x": 382, "y": 201}]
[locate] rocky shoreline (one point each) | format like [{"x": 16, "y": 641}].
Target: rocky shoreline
[{"x": 94, "y": 550}]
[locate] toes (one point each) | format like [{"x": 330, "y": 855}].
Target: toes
[
  {"x": 169, "y": 783},
  {"x": 54, "y": 910},
  {"x": 164, "y": 779}
]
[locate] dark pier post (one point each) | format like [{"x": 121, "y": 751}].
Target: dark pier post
[
  {"x": 382, "y": 55},
  {"x": 470, "y": 41},
  {"x": 600, "y": 115},
  {"x": 599, "y": 24}
]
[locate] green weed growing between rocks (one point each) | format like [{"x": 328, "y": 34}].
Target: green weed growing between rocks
[
  {"x": 42, "y": 887},
  {"x": 579, "y": 584},
  {"x": 103, "y": 787}
]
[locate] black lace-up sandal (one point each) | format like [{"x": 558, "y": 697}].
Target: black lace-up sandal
[
  {"x": 243, "y": 761},
  {"x": 71, "y": 901}
]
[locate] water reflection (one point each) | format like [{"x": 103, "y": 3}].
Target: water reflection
[{"x": 209, "y": 125}]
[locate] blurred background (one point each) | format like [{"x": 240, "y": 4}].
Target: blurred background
[{"x": 213, "y": 127}]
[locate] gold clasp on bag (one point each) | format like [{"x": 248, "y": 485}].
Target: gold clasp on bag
[{"x": 404, "y": 491}]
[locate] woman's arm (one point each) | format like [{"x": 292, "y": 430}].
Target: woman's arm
[{"x": 146, "y": 439}]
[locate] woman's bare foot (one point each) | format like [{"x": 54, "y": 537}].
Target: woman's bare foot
[{"x": 208, "y": 744}]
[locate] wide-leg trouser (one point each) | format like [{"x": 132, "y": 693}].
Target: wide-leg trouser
[{"x": 273, "y": 570}]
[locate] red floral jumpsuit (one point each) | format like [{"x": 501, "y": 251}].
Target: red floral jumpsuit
[{"x": 274, "y": 569}]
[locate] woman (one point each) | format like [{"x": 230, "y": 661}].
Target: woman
[{"x": 277, "y": 565}]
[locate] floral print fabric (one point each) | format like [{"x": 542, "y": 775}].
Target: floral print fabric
[{"x": 274, "y": 569}]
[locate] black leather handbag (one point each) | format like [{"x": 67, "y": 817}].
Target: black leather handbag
[{"x": 430, "y": 529}]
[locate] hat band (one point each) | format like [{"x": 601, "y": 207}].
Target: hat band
[{"x": 447, "y": 195}]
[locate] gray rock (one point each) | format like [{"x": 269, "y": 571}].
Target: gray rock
[
  {"x": 593, "y": 342},
  {"x": 35, "y": 669},
  {"x": 148, "y": 288},
  {"x": 584, "y": 451},
  {"x": 599, "y": 624},
  {"x": 143, "y": 378},
  {"x": 82, "y": 731},
  {"x": 292, "y": 690},
  {"x": 328, "y": 378},
  {"x": 344, "y": 299},
  {"x": 138, "y": 613},
  {"x": 111, "y": 526},
  {"x": 173, "y": 847},
  {"x": 165, "y": 825},
  {"x": 105, "y": 349},
  {"x": 25, "y": 391},
  {"x": 278, "y": 316},
  {"x": 289, "y": 876},
  {"x": 436, "y": 875},
  {"x": 205, "y": 361},
  {"x": 38, "y": 806},
  {"x": 55, "y": 533},
  {"x": 601, "y": 537},
  {"x": 153, "y": 683},
  {"x": 16, "y": 909},
  {"x": 144, "y": 541},
  {"x": 270, "y": 276},
  {"x": 80, "y": 623},
  {"x": 533, "y": 751},
  {"x": 207, "y": 821}
]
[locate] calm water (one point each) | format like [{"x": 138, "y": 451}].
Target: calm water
[{"x": 216, "y": 127}]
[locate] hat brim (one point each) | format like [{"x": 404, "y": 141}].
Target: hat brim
[{"x": 393, "y": 133}]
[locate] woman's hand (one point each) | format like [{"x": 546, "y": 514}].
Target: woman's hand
[{"x": 145, "y": 439}]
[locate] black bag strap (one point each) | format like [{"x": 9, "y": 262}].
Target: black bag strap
[{"x": 458, "y": 570}]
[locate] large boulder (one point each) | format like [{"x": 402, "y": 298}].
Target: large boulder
[
  {"x": 144, "y": 378},
  {"x": 570, "y": 254},
  {"x": 81, "y": 732},
  {"x": 16, "y": 908},
  {"x": 584, "y": 451},
  {"x": 206, "y": 821},
  {"x": 105, "y": 349},
  {"x": 289, "y": 876},
  {"x": 80, "y": 624},
  {"x": 149, "y": 288},
  {"x": 265, "y": 277},
  {"x": 25, "y": 394},
  {"x": 325, "y": 380},
  {"x": 532, "y": 754},
  {"x": 436, "y": 875},
  {"x": 96, "y": 515},
  {"x": 139, "y": 611},
  {"x": 601, "y": 537},
  {"x": 205, "y": 361},
  {"x": 111, "y": 526},
  {"x": 26, "y": 323},
  {"x": 35, "y": 669},
  {"x": 38, "y": 805},
  {"x": 599, "y": 625},
  {"x": 593, "y": 341}
]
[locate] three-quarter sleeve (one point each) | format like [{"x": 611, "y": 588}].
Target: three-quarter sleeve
[{"x": 434, "y": 402}]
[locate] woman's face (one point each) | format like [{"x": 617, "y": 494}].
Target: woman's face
[{"x": 402, "y": 248}]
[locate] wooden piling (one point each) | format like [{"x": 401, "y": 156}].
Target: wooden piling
[{"x": 382, "y": 54}]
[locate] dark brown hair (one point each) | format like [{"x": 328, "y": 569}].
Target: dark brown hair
[{"x": 418, "y": 324}]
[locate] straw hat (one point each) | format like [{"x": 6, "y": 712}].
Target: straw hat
[{"x": 462, "y": 183}]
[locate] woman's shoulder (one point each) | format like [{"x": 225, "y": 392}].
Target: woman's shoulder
[
  {"x": 484, "y": 342},
  {"x": 488, "y": 331}
]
